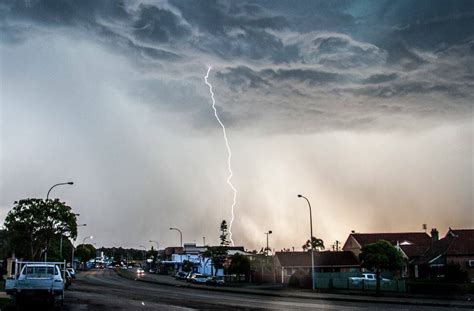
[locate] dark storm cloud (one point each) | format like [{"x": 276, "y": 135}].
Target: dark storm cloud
[
  {"x": 242, "y": 77},
  {"x": 399, "y": 89},
  {"x": 67, "y": 12},
  {"x": 217, "y": 17},
  {"x": 89, "y": 16},
  {"x": 236, "y": 29},
  {"x": 157, "y": 25},
  {"x": 380, "y": 78},
  {"x": 311, "y": 77},
  {"x": 310, "y": 15},
  {"x": 326, "y": 53}
]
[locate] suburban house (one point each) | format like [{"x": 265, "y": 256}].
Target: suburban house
[
  {"x": 288, "y": 263},
  {"x": 412, "y": 245},
  {"x": 456, "y": 248}
]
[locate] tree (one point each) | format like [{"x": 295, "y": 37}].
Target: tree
[
  {"x": 85, "y": 252},
  {"x": 240, "y": 265},
  {"x": 380, "y": 256},
  {"x": 218, "y": 254},
  {"x": 3, "y": 251},
  {"x": 187, "y": 266},
  {"x": 224, "y": 237},
  {"x": 33, "y": 223},
  {"x": 318, "y": 244},
  {"x": 3, "y": 244}
]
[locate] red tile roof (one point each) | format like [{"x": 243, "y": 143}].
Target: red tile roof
[
  {"x": 457, "y": 242},
  {"x": 417, "y": 242},
  {"x": 462, "y": 242},
  {"x": 321, "y": 259}
]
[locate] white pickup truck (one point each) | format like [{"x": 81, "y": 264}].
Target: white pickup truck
[
  {"x": 37, "y": 281},
  {"x": 367, "y": 278}
]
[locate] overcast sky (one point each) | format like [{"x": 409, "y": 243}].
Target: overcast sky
[{"x": 365, "y": 107}]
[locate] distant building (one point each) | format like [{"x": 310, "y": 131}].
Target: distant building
[
  {"x": 456, "y": 248},
  {"x": 288, "y": 263},
  {"x": 192, "y": 255}
]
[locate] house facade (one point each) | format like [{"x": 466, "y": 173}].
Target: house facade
[
  {"x": 288, "y": 263},
  {"x": 455, "y": 249},
  {"x": 412, "y": 245}
]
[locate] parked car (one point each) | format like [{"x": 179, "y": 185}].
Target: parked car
[
  {"x": 72, "y": 272},
  {"x": 215, "y": 281},
  {"x": 367, "y": 278},
  {"x": 36, "y": 280},
  {"x": 68, "y": 280},
  {"x": 189, "y": 276},
  {"x": 180, "y": 275},
  {"x": 198, "y": 278}
]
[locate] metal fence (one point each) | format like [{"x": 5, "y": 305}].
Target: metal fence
[{"x": 341, "y": 280}]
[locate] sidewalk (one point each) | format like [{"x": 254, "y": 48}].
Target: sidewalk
[{"x": 170, "y": 281}]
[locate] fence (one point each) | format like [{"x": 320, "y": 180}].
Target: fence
[{"x": 341, "y": 280}]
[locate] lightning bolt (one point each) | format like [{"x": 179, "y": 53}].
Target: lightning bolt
[{"x": 229, "y": 154}]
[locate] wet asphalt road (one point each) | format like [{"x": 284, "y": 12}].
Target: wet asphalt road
[{"x": 105, "y": 290}]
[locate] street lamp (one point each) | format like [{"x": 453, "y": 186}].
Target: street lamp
[
  {"x": 180, "y": 235},
  {"x": 157, "y": 244},
  {"x": 47, "y": 197},
  {"x": 61, "y": 243},
  {"x": 310, "y": 239},
  {"x": 84, "y": 240},
  {"x": 87, "y": 237},
  {"x": 60, "y": 184},
  {"x": 266, "y": 249},
  {"x": 73, "y": 248}
]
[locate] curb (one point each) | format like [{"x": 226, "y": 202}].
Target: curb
[{"x": 269, "y": 294}]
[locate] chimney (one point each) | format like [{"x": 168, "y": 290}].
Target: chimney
[{"x": 434, "y": 235}]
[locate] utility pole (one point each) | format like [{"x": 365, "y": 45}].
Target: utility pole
[{"x": 310, "y": 240}]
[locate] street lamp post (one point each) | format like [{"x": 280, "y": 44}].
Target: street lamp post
[
  {"x": 61, "y": 241},
  {"x": 266, "y": 249},
  {"x": 72, "y": 255},
  {"x": 47, "y": 197},
  {"x": 180, "y": 235},
  {"x": 60, "y": 184},
  {"x": 310, "y": 239},
  {"x": 87, "y": 237}
]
